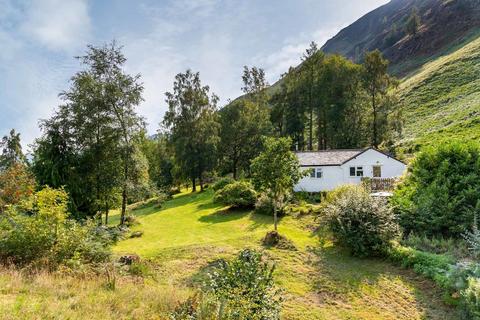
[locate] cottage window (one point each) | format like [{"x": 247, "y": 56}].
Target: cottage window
[
  {"x": 359, "y": 171},
  {"x": 316, "y": 173},
  {"x": 377, "y": 171},
  {"x": 356, "y": 171}
]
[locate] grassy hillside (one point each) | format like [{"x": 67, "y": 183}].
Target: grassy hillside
[
  {"x": 189, "y": 233},
  {"x": 183, "y": 240},
  {"x": 442, "y": 100}
]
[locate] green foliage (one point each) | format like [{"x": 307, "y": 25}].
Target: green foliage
[
  {"x": 238, "y": 195},
  {"x": 12, "y": 153},
  {"x": 472, "y": 238},
  {"x": 439, "y": 195},
  {"x": 222, "y": 183},
  {"x": 449, "y": 246},
  {"x": 264, "y": 205},
  {"x": 413, "y": 22},
  {"x": 363, "y": 224},
  {"x": 245, "y": 288},
  {"x": 192, "y": 124},
  {"x": 88, "y": 145},
  {"x": 276, "y": 171},
  {"x": 378, "y": 85},
  {"x": 42, "y": 235},
  {"x": 471, "y": 298}
]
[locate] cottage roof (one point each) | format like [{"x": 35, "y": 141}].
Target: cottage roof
[{"x": 327, "y": 157}]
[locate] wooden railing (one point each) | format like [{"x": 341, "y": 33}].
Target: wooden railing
[{"x": 379, "y": 184}]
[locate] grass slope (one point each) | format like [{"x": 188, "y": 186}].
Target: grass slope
[
  {"x": 442, "y": 100},
  {"x": 190, "y": 233}
]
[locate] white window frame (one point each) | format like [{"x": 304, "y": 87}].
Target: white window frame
[{"x": 358, "y": 169}]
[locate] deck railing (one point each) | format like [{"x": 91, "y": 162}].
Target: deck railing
[{"x": 379, "y": 184}]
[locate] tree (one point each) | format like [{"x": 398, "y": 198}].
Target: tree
[
  {"x": 413, "y": 22},
  {"x": 255, "y": 85},
  {"x": 88, "y": 145},
  {"x": 192, "y": 126},
  {"x": 276, "y": 171},
  {"x": 16, "y": 184},
  {"x": 377, "y": 83},
  {"x": 311, "y": 60},
  {"x": 11, "y": 151}
]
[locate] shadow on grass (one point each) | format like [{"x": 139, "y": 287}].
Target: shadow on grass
[
  {"x": 221, "y": 216},
  {"x": 339, "y": 275}
]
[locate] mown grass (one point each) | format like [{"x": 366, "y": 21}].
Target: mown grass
[
  {"x": 185, "y": 238},
  {"x": 442, "y": 100},
  {"x": 190, "y": 233}
]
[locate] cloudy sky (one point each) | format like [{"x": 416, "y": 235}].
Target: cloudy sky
[{"x": 39, "y": 38}]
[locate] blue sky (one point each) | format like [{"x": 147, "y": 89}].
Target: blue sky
[{"x": 39, "y": 39}]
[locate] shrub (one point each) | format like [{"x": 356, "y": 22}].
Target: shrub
[
  {"x": 245, "y": 288},
  {"x": 222, "y": 183},
  {"x": 471, "y": 298},
  {"x": 238, "y": 195},
  {"x": 363, "y": 224},
  {"x": 439, "y": 195},
  {"x": 197, "y": 307},
  {"x": 41, "y": 234},
  {"x": 264, "y": 205}
]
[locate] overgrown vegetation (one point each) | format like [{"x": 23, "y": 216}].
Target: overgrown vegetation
[
  {"x": 237, "y": 195},
  {"x": 363, "y": 224},
  {"x": 440, "y": 195}
]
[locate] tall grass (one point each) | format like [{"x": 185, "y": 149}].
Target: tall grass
[{"x": 45, "y": 295}]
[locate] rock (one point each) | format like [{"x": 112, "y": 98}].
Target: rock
[
  {"x": 129, "y": 259},
  {"x": 136, "y": 234}
]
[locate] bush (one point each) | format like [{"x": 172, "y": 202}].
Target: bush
[
  {"x": 439, "y": 195},
  {"x": 238, "y": 195},
  {"x": 363, "y": 224},
  {"x": 245, "y": 288},
  {"x": 41, "y": 234},
  {"x": 222, "y": 183},
  {"x": 264, "y": 205},
  {"x": 471, "y": 298}
]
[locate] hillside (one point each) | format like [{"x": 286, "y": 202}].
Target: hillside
[
  {"x": 443, "y": 24},
  {"x": 442, "y": 100}
]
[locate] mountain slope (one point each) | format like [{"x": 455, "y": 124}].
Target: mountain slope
[
  {"x": 443, "y": 24},
  {"x": 442, "y": 101}
]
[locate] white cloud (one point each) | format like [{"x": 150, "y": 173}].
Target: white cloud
[
  {"x": 290, "y": 54},
  {"x": 58, "y": 24}
]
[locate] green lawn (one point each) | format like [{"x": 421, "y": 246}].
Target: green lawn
[{"x": 189, "y": 233}]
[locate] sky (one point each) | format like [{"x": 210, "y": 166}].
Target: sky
[{"x": 40, "y": 38}]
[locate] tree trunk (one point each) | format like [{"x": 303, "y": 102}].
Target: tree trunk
[
  {"x": 234, "y": 168},
  {"x": 275, "y": 219},
  {"x": 194, "y": 186},
  {"x": 107, "y": 210},
  {"x": 124, "y": 191},
  {"x": 375, "y": 133},
  {"x": 201, "y": 182},
  {"x": 310, "y": 134}
]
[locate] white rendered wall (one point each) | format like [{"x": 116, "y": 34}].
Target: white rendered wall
[{"x": 334, "y": 176}]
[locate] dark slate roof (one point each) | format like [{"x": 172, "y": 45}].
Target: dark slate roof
[{"x": 327, "y": 157}]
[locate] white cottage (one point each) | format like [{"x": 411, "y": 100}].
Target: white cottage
[{"x": 332, "y": 168}]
